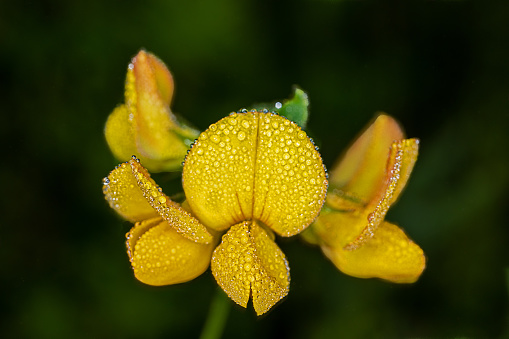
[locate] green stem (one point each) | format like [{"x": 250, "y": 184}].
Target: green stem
[{"x": 218, "y": 314}]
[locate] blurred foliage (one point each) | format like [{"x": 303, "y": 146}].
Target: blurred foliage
[{"x": 441, "y": 68}]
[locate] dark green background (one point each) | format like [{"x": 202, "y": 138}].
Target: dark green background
[{"x": 440, "y": 67}]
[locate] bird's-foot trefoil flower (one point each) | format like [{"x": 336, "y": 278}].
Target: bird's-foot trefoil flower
[
  {"x": 251, "y": 175},
  {"x": 367, "y": 180},
  {"x": 145, "y": 126}
]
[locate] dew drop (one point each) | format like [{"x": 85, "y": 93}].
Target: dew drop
[
  {"x": 232, "y": 120},
  {"x": 242, "y": 135}
]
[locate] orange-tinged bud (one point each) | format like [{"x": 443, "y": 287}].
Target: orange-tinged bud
[
  {"x": 366, "y": 181},
  {"x": 145, "y": 126}
]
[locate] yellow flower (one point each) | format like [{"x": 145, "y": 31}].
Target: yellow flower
[
  {"x": 251, "y": 174},
  {"x": 145, "y": 125},
  {"x": 367, "y": 180}
]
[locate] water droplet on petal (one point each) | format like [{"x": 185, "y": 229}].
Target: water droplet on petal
[{"x": 242, "y": 135}]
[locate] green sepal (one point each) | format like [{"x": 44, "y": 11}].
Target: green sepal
[{"x": 296, "y": 108}]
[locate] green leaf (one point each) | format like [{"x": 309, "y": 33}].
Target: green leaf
[{"x": 295, "y": 109}]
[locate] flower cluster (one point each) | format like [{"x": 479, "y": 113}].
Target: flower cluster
[{"x": 249, "y": 177}]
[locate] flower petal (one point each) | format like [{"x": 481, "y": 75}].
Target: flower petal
[
  {"x": 162, "y": 76},
  {"x": 119, "y": 134},
  {"x": 401, "y": 163},
  {"x": 402, "y": 157},
  {"x": 183, "y": 222},
  {"x": 389, "y": 255},
  {"x": 255, "y": 165},
  {"x": 361, "y": 170},
  {"x": 290, "y": 178},
  {"x": 161, "y": 256},
  {"x": 121, "y": 191},
  {"x": 338, "y": 229},
  {"x": 149, "y": 89},
  {"x": 248, "y": 262}
]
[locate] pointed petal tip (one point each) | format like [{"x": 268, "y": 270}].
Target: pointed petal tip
[{"x": 247, "y": 264}]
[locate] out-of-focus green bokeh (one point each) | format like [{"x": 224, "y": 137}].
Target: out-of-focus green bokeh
[{"x": 440, "y": 67}]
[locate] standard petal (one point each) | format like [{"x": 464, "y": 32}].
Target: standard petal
[
  {"x": 248, "y": 262},
  {"x": 388, "y": 255},
  {"x": 290, "y": 179},
  {"x": 255, "y": 165},
  {"x": 121, "y": 191},
  {"x": 361, "y": 170},
  {"x": 119, "y": 134},
  {"x": 161, "y": 256},
  {"x": 180, "y": 219},
  {"x": 400, "y": 163}
]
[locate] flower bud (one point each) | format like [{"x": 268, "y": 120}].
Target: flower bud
[{"x": 145, "y": 126}]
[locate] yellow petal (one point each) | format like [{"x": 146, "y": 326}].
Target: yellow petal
[
  {"x": 400, "y": 163},
  {"x": 402, "y": 160},
  {"x": 255, "y": 165},
  {"x": 121, "y": 191},
  {"x": 338, "y": 229},
  {"x": 161, "y": 256},
  {"x": 389, "y": 255},
  {"x": 361, "y": 170},
  {"x": 343, "y": 201},
  {"x": 181, "y": 220},
  {"x": 248, "y": 262},
  {"x": 119, "y": 134},
  {"x": 163, "y": 77},
  {"x": 149, "y": 89}
]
